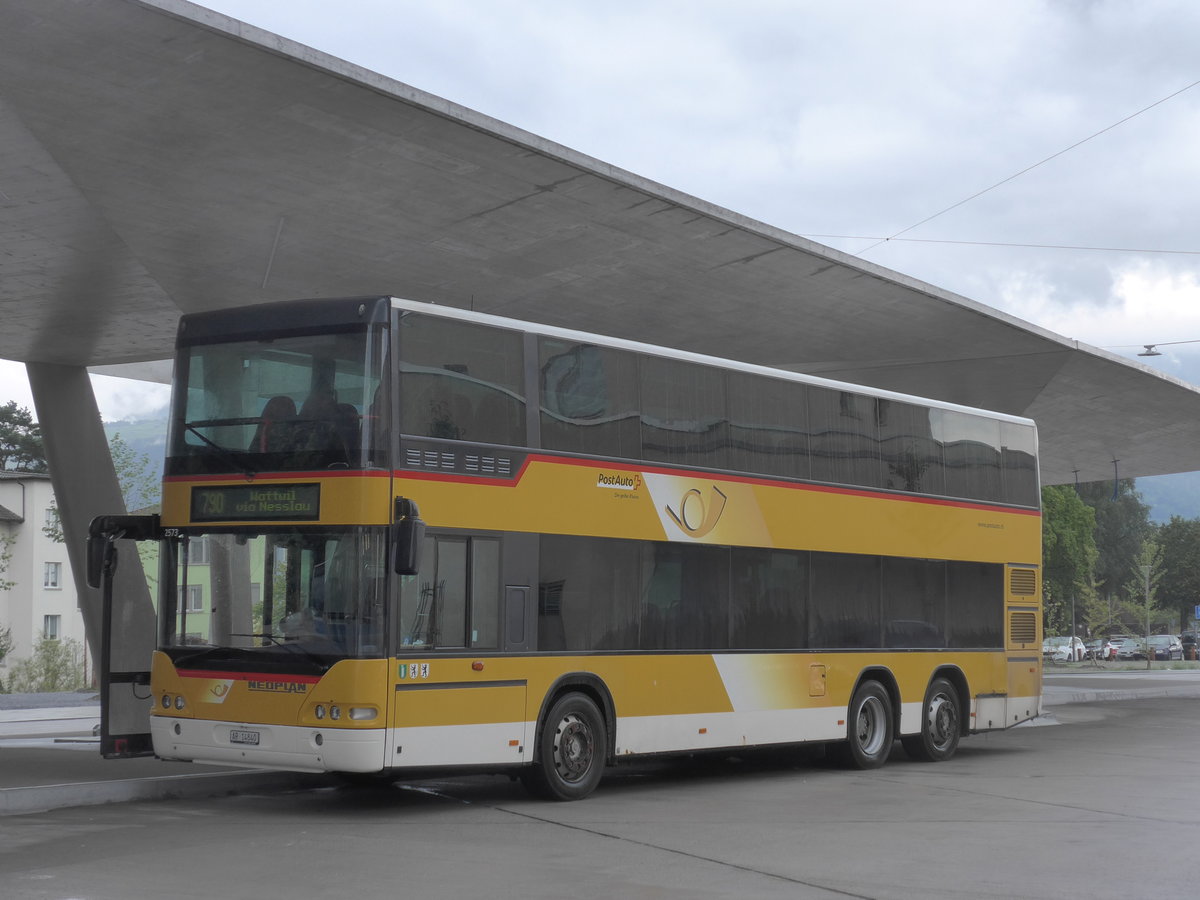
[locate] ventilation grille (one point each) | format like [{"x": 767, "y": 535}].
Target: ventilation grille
[
  {"x": 1022, "y": 582},
  {"x": 1022, "y": 628}
]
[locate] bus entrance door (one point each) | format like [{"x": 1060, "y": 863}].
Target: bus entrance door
[{"x": 127, "y": 637}]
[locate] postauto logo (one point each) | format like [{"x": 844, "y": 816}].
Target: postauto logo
[
  {"x": 695, "y": 514},
  {"x": 619, "y": 481}
]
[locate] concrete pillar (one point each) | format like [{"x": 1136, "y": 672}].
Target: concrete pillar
[{"x": 85, "y": 486}]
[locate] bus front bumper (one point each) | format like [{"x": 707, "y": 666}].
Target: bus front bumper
[{"x": 288, "y": 747}]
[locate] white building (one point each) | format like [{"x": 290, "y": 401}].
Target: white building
[{"x": 41, "y": 599}]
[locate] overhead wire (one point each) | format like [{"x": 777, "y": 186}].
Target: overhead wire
[
  {"x": 1027, "y": 169},
  {"x": 1155, "y": 344},
  {"x": 860, "y": 237}
]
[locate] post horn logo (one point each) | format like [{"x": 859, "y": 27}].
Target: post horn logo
[{"x": 696, "y": 517}]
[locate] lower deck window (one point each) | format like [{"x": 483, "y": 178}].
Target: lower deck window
[{"x": 603, "y": 594}]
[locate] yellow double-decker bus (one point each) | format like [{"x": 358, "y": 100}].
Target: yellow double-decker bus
[{"x": 621, "y": 550}]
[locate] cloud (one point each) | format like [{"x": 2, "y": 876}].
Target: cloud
[
  {"x": 119, "y": 399},
  {"x": 1152, "y": 303}
]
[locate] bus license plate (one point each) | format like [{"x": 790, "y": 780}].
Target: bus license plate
[{"x": 243, "y": 737}]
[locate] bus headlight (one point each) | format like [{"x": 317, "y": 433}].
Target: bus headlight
[
  {"x": 335, "y": 712},
  {"x": 363, "y": 713},
  {"x": 179, "y": 702},
  {"x": 319, "y": 712}
]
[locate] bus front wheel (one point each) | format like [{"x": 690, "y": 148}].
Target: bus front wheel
[
  {"x": 571, "y": 746},
  {"x": 868, "y": 728},
  {"x": 941, "y": 725}
]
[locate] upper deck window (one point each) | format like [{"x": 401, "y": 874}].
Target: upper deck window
[
  {"x": 460, "y": 381},
  {"x": 292, "y": 403}
]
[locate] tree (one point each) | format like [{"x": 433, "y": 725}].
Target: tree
[
  {"x": 1179, "y": 585},
  {"x": 1139, "y": 607},
  {"x": 6, "y": 542},
  {"x": 1069, "y": 558},
  {"x": 6, "y": 647},
  {"x": 140, "y": 486},
  {"x": 54, "y": 666},
  {"x": 1122, "y": 530},
  {"x": 6, "y": 641},
  {"x": 136, "y": 474},
  {"x": 20, "y": 439}
]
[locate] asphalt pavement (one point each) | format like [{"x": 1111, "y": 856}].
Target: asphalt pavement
[{"x": 50, "y": 757}]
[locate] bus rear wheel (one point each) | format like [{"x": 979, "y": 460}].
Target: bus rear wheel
[
  {"x": 572, "y": 746},
  {"x": 941, "y": 725},
  {"x": 869, "y": 729}
]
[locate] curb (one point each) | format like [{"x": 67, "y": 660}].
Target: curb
[
  {"x": 45, "y": 797},
  {"x": 1064, "y": 696}
]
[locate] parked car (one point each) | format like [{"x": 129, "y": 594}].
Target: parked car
[
  {"x": 1109, "y": 647},
  {"x": 1063, "y": 649},
  {"x": 1131, "y": 648},
  {"x": 1165, "y": 646}
]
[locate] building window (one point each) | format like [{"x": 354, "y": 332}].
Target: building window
[
  {"x": 52, "y": 576},
  {"x": 198, "y": 552},
  {"x": 194, "y": 598},
  {"x": 51, "y": 627}
]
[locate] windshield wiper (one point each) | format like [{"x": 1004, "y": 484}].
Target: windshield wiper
[
  {"x": 264, "y": 635},
  {"x": 226, "y": 454}
]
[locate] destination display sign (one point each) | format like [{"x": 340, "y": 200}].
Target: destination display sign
[{"x": 270, "y": 502}]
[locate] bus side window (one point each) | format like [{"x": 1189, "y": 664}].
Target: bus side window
[{"x": 455, "y": 601}]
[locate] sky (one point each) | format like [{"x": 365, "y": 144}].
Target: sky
[{"x": 1046, "y": 152}]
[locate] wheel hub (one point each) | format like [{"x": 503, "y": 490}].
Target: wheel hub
[{"x": 573, "y": 748}]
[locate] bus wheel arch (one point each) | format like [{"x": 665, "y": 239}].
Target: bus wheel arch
[
  {"x": 943, "y": 723},
  {"x": 573, "y": 741}
]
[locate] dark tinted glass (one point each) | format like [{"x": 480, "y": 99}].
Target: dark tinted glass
[
  {"x": 914, "y": 603},
  {"x": 912, "y": 458},
  {"x": 601, "y": 594},
  {"x": 683, "y": 413},
  {"x": 768, "y": 599},
  {"x": 971, "y": 448},
  {"x": 975, "y": 604},
  {"x": 845, "y": 605},
  {"x": 589, "y": 401},
  {"x": 1019, "y": 458},
  {"x": 588, "y": 594},
  {"x": 768, "y": 426},
  {"x": 685, "y": 598},
  {"x": 461, "y": 381},
  {"x": 844, "y": 443}
]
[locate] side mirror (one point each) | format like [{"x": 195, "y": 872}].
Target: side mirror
[
  {"x": 102, "y": 535},
  {"x": 408, "y": 534},
  {"x": 97, "y": 551}
]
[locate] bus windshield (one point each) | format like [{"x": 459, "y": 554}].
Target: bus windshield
[
  {"x": 277, "y": 593},
  {"x": 290, "y": 403}
]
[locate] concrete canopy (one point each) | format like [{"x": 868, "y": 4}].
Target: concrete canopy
[{"x": 158, "y": 158}]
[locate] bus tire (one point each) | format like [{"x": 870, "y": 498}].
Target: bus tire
[
  {"x": 869, "y": 731},
  {"x": 941, "y": 724},
  {"x": 572, "y": 744}
]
